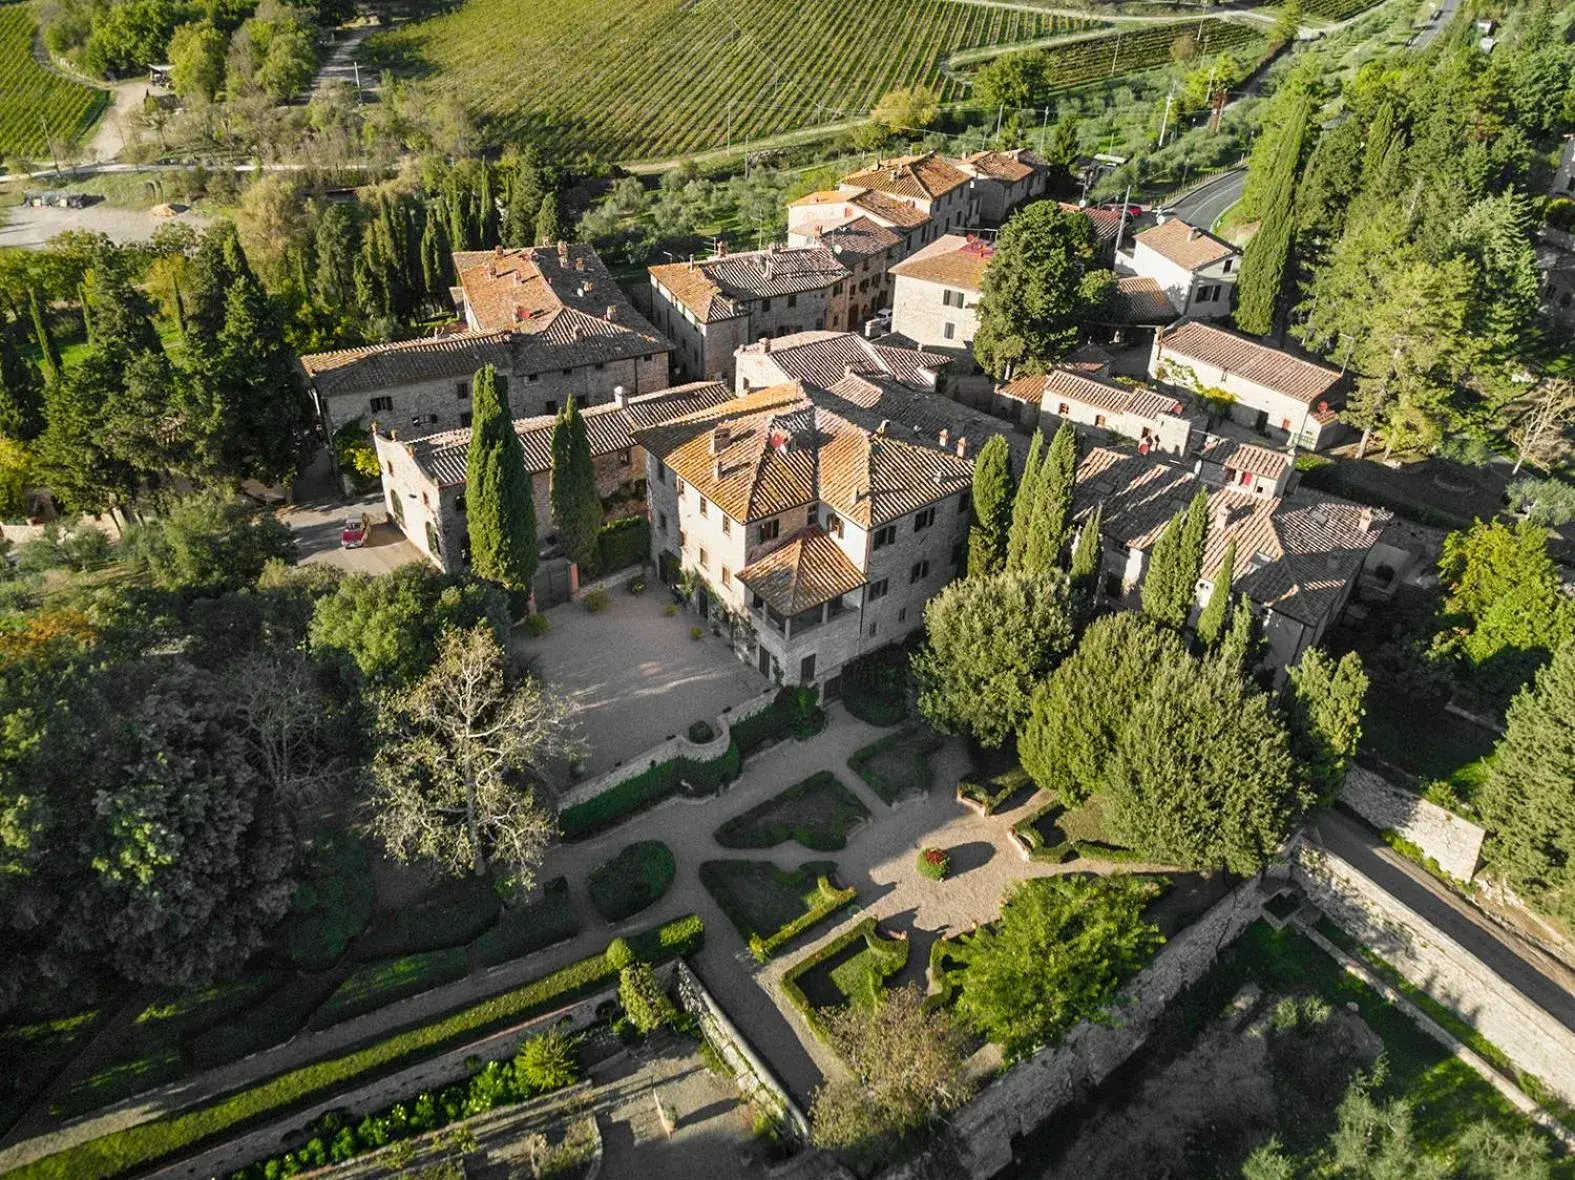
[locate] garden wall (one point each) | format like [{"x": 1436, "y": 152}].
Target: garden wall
[
  {"x": 677, "y": 746},
  {"x": 753, "y": 1077},
  {"x": 1454, "y": 843},
  {"x": 1030, "y": 1092},
  {"x": 1533, "y": 1039}
]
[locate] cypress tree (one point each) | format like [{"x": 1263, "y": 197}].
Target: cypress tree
[
  {"x": 1211, "y": 623},
  {"x": 1194, "y": 539},
  {"x": 1047, "y": 530},
  {"x": 46, "y": 341},
  {"x": 1023, "y": 506},
  {"x": 1159, "y": 580},
  {"x": 21, "y": 394},
  {"x": 501, "y": 514},
  {"x": 1086, "y": 556},
  {"x": 992, "y": 509},
  {"x": 1261, "y": 286},
  {"x": 85, "y": 298},
  {"x": 549, "y": 225},
  {"x": 576, "y": 505},
  {"x": 1238, "y": 647}
]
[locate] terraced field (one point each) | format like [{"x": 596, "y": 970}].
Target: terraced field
[
  {"x": 28, "y": 91},
  {"x": 1080, "y": 62},
  {"x": 648, "y": 78}
]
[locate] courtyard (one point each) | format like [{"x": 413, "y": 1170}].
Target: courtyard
[{"x": 635, "y": 671}]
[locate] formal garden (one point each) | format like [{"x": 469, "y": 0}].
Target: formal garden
[{"x": 818, "y": 813}]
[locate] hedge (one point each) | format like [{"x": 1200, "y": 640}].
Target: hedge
[
  {"x": 913, "y": 745},
  {"x": 828, "y": 900},
  {"x": 1094, "y": 850},
  {"x": 817, "y": 812},
  {"x": 272, "y": 1022},
  {"x": 372, "y": 985},
  {"x": 1025, "y": 830},
  {"x": 795, "y": 712},
  {"x": 622, "y": 543},
  {"x": 945, "y": 981},
  {"x": 992, "y": 792},
  {"x": 531, "y": 927},
  {"x": 875, "y": 686},
  {"x": 138, "y": 1146},
  {"x": 893, "y": 957},
  {"x": 452, "y": 914},
  {"x": 634, "y": 879},
  {"x": 646, "y": 789}
]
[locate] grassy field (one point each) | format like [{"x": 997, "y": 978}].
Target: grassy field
[
  {"x": 32, "y": 98},
  {"x": 651, "y": 78}
]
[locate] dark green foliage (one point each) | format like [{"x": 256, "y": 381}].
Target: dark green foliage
[
  {"x": 898, "y": 764},
  {"x": 576, "y": 506},
  {"x": 1211, "y": 620},
  {"x": 384, "y": 981},
  {"x": 21, "y": 393},
  {"x": 643, "y": 999},
  {"x": 649, "y": 787},
  {"x": 48, "y": 350},
  {"x": 333, "y": 902},
  {"x": 1262, "y": 282},
  {"x": 1053, "y": 488},
  {"x": 1087, "y": 556},
  {"x": 992, "y": 792},
  {"x": 207, "y": 545},
  {"x": 500, "y": 513},
  {"x": 262, "y": 1026},
  {"x": 1171, "y": 580},
  {"x": 529, "y": 927},
  {"x": 623, "y": 542},
  {"x": 990, "y": 642},
  {"x": 875, "y": 686},
  {"x": 549, "y": 222},
  {"x": 1041, "y": 833},
  {"x": 450, "y": 915},
  {"x": 1324, "y": 712},
  {"x": 1023, "y": 503},
  {"x": 1241, "y": 643},
  {"x": 769, "y": 906},
  {"x": 790, "y": 713},
  {"x": 1056, "y": 955},
  {"x": 817, "y": 813},
  {"x": 992, "y": 508},
  {"x": 1529, "y": 797},
  {"x": 634, "y": 879}
]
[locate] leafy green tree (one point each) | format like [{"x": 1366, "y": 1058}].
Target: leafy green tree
[
  {"x": 1529, "y": 797},
  {"x": 288, "y": 60},
  {"x": 1200, "y": 774},
  {"x": 909, "y": 109},
  {"x": 992, "y": 509},
  {"x": 1075, "y": 715},
  {"x": 501, "y": 514},
  {"x": 196, "y": 57},
  {"x": 207, "y": 544},
  {"x": 47, "y": 348},
  {"x": 1033, "y": 297},
  {"x": 1260, "y": 289},
  {"x": 1325, "y": 711},
  {"x": 1241, "y": 642},
  {"x": 548, "y": 1060},
  {"x": 1548, "y": 503},
  {"x": 990, "y": 641},
  {"x": 643, "y": 999},
  {"x": 1211, "y": 620},
  {"x": 1053, "y": 489},
  {"x": 576, "y": 505},
  {"x": 1056, "y": 955},
  {"x": 1086, "y": 556},
  {"x": 1023, "y": 502},
  {"x": 21, "y": 394},
  {"x": 336, "y": 238},
  {"x": 461, "y": 757},
  {"x": 387, "y": 627},
  {"x": 906, "y": 1069},
  {"x": 1009, "y": 81}
]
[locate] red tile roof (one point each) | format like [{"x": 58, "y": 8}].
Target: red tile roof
[
  {"x": 1185, "y": 245},
  {"x": 1242, "y": 356}
]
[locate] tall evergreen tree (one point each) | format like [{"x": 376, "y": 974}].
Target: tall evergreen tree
[
  {"x": 501, "y": 513},
  {"x": 1023, "y": 505},
  {"x": 1087, "y": 554},
  {"x": 1036, "y": 291},
  {"x": 21, "y": 394},
  {"x": 992, "y": 509},
  {"x": 1260, "y": 289},
  {"x": 1159, "y": 579},
  {"x": 1241, "y": 643},
  {"x": 1048, "y": 527},
  {"x": 576, "y": 505},
  {"x": 47, "y": 347},
  {"x": 522, "y": 195},
  {"x": 1325, "y": 714},
  {"x": 1211, "y": 622},
  {"x": 549, "y": 222}
]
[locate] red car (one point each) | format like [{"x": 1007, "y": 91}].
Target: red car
[
  {"x": 1115, "y": 207},
  {"x": 353, "y": 535}
]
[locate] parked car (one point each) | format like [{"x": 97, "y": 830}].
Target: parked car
[
  {"x": 353, "y": 535},
  {"x": 1116, "y": 207}
]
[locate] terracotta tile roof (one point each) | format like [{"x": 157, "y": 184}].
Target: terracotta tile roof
[
  {"x": 715, "y": 287},
  {"x": 807, "y": 571},
  {"x": 1062, "y": 384},
  {"x": 1185, "y": 245},
  {"x": 821, "y": 358},
  {"x": 675, "y": 402},
  {"x": 1010, "y": 167},
  {"x": 923, "y": 178},
  {"x": 444, "y": 457},
  {"x": 1106, "y": 222},
  {"x": 1240, "y": 456},
  {"x": 956, "y": 260},
  {"x": 381, "y": 366},
  {"x": 1141, "y": 300},
  {"x": 898, "y": 213},
  {"x": 1087, "y": 358},
  {"x": 859, "y": 238},
  {"x": 1242, "y": 356},
  {"x": 1294, "y": 555}
]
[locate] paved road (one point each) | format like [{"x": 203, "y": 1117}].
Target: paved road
[
  {"x": 1542, "y": 981},
  {"x": 1441, "y": 18},
  {"x": 1204, "y": 206}
]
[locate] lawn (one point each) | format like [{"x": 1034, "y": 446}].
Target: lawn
[
  {"x": 653, "y": 78},
  {"x": 35, "y": 99},
  {"x": 850, "y": 969},
  {"x": 372, "y": 985},
  {"x": 770, "y": 905},
  {"x": 817, "y": 812},
  {"x": 530, "y": 927},
  {"x": 32, "y": 1054},
  {"x": 632, "y": 880},
  {"x": 899, "y": 763}
]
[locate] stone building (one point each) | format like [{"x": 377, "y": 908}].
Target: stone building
[
  {"x": 551, "y": 319},
  {"x": 1197, "y": 271},
  {"x": 920, "y": 197},
  {"x": 820, "y": 359},
  {"x": 1157, "y": 422},
  {"x": 936, "y": 295},
  {"x": 1001, "y": 181}
]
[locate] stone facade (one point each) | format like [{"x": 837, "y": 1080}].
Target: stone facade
[
  {"x": 935, "y": 315},
  {"x": 1455, "y": 843},
  {"x": 1534, "y": 1040}
]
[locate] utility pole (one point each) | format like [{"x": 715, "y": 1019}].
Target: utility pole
[
  {"x": 1044, "y": 131},
  {"x": 49, "y": 142},
  {"x": 1164, "y": 121},
  {"x": 1116, "y": 56},
  {"x": 1000, "y": 113},
  {"x": 1126, "y": 203},
  {"x": 355, "y": 65}
]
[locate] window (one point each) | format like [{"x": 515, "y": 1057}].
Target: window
[
  {"x": 459, "y": 505},
  {"x": 1063, "y": 409},
  {"x": 877, "y": 590},
  {"x": 532, "y": 378},
  {"x": 599, "y": 365},
  {"x": 432, "y": 419},
  {"x": 810, "y": 518},
  {"x": 920, "y": 570},
  {"x": 902, "y": 615},
  {"x": 679, "y": 486},
  {"x": 949, "y": 331},
  {"x": 727, "y": 576},
  {"x": 552, "y": 407},
  {"x": 792, "y": 300},
  {"x": 624, "y": 457},
  {"x": 661, "y": 472},
  {"x": 705, "y": 559},
  {"x": 568, "y": 372},
  {"x": 959, "y": 552},
  {"x": 872, "y": 630},
  {"x": 661, "y": 521},
  {"x": 964, "y": 502},
  {"x": 1113, "y": 585},
  {"x": 770, "y": 530},
  {"x": 465, "y": 418},
  {"x": 806, "y": 669},
  {"x": 461, "y": 390},
  {"x": 727, "y": 525},
  {"x": 924, "y": 519},
  {"x": 834, "y": 524},
  {"x": 885, "y": 536},
  {"x": 1230, "y": 264},
  {"x": 681, "y": 539},
  {"x": 1099, "y": 419},
  {"x": 705, "y": 507},
  {"x": 382, "y": 405},
  {"x": 765, "y": 305}
]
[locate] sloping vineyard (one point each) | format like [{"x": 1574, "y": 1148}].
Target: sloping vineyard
[
  {"x": 31, "y": 98},
  {"x": 649, "y": 78},
  {"x": 1081, "y": 62},
  {"x": 1336, "y": 9}
]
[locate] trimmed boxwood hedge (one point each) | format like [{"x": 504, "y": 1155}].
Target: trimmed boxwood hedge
[
  {"x": 994, "y": 791},
  {"x": 452, "y": 914},
  {"x": 530, "y": 927},
  {"x": 646, "y": 789},
  {"x": 892, "y": 958},
  {"x": 622, "y": 543},
  {"x": 632, "y": 880},
  {"x": 875, "y": 686},
  {"x": 1026, "y": 830},
  {"x": 914, "y": 745},
  {"x": 135, "y": 1147},
  {"x": 816, "y": 812}
]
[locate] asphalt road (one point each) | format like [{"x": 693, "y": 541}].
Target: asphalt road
[
  {"x": 1204, "y": 206},
  {"x": 1524, "y": 968},
  {"x": 1445, "y": 13}
]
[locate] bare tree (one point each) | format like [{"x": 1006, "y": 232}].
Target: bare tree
[
  {"x": 458, "y": 768},
  {"x": 283, "y": 715},
  {"x": 1548, "y": 413}
]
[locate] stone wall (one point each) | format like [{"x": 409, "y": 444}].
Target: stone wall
[
  {"x": 1023, "y": 1097},
  {"x": 1453, "y": 842},
  {"x": 1534, "y": 1040}
]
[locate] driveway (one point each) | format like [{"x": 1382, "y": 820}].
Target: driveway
[
  {"x": 316, "y": 527},
  {"x": 638, "y": 676},
  {"x": 26, "y": 226}
]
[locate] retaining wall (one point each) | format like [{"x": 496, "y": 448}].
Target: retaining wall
[
  {"x": 1430, "y": 959},
  {"x": 1455, "y": 843}
]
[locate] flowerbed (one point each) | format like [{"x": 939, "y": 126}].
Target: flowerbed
[
  {"x": 898, "y": 763},
  {"x": 934, "y": 864},
  {"x": 990, "y": 793},
  {"x": 1039, "y": 834},
  {"x": 857, "y": 979},
  {"x": 817, "y": 812}
]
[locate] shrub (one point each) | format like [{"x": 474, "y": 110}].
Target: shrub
[
  {"x": 632, "y": 880},
  {"x": 816, "y": 812},
  {"x": 644, "y": 1000},
  {"x": 701, "y": 732},
  {"x": 1028, "y": 831},
  {"x": 934, "y": 864},
  {"x": 333, "y": 904},
  {"x": 887, "y": 960},
  {"x": 530, "y": 927},
  {"x": 647, "y": 788},
  {"x": 990, "y": 793},
  {"x": 875, "y": 687},
  {"x": 547, "y": 1061},
  {"x": 622, "y": 542},
  {"x": 536, "y": 625},
  {"x": 637, "y": 584},
  {"x": 619, "y": 954},
  {"x": 595, "y": 602},
  {"x": 696, "y": 632},
  {"x": 670, "y": 609},
  {"x": 805, "y": 716},
  {"x": 898, "y": 762},
  {"x": 452, "y": 914}
]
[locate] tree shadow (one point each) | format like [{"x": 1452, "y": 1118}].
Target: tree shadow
[{"x": 973, "y": 855}]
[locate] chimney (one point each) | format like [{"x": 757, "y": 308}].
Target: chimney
[
  {"x": 393, "y": 434},
  {"x": 497, "y": 251},
  {"x": 519, "y": 315},
  {"x": 1365, "y": 519},
  {"x": 612, "y": 313},
  {"x": 765, "y": 344},
  {"x": 962, "y": 448},
  {"x": 620, "y": 396},
  {"x": 1194, "y": 233},
  {"x": 579, "y": 263},
  {"x": 944, "y": 438},
  {"x": 720, "y": 437},
  {"x": 716, "y": 470},
  {"x": 885, "y": 424}
]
